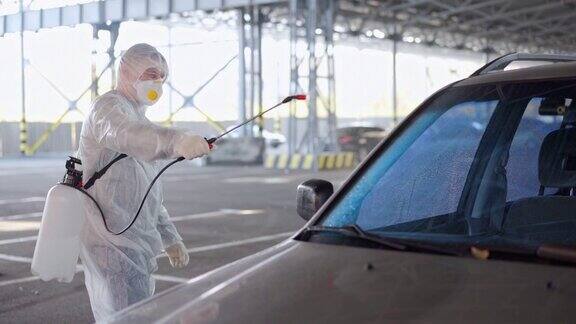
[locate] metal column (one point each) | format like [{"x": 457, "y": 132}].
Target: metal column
[
  {"x": 113, "y": 30},
  {"x": 94, "y": 74},
  {"x": 170, "y": 75},
  {"x": 23, "y": 125},
  {"x": 252, "y": 76},
  {"x": 250, "y": 66},
  {"x": 329, "y": 39},
  {"x": 242, "y": 70},
  {"x": 312, "y": 25},
  {"x": 294, "y": 77},
  {"x": 257, "y": 13},
  {"x": 394, "y": 77}
]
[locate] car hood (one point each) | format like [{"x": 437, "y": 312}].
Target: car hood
[{"x": 312, "y": 283}]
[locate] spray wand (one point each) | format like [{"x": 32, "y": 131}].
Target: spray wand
[{"x": 286, "y": 100}]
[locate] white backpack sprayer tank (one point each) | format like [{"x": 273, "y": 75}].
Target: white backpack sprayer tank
[{"x": 58, "y": 244}]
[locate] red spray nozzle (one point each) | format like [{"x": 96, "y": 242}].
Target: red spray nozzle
[{"x": 294, "y": 97}]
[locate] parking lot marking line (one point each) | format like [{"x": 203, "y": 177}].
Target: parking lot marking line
[
  {"x": 199, "y": 249},
  {"x": 239, "y": 242},
  {"x": 18, "y": 240},
  {"x": 177, "y": 178},
  {"x": 263, "y": 180},
  {"x": 221, "y": 212},
  {"x": 19, "y": 226},
  {"x": 42, "y": 171},
  {"x": 15, "y": 258},
  {"x": 34, "y": 278},
  {"x": 22, "y": 200},
  {"x": 21, "y": 216},
  {"x": 186, "y": 176},
  {"x": 267, "y": 179},
  {"x": 170, "y": 278},
  {"x": 17, "y": 281}
]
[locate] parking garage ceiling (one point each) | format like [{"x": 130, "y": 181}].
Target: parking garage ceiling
[
  {"x": 480, "y": 25},
  {"x": 492, "y": 26}
]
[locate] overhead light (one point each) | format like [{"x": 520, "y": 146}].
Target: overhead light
[
  {"x": 339, "y": 29},
  {"x": 408, "y": 39},
  {"x": 378, "y": 33}
]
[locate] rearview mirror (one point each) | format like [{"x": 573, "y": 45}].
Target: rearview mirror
[{"x": 311, "y": 195}]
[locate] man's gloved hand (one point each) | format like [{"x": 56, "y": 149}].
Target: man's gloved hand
[
  {"x": 191, "y": 146},
  {"x": 178, "y": 255}
]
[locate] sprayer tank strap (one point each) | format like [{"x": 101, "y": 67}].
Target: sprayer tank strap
[{"x": 98, "y": 174}]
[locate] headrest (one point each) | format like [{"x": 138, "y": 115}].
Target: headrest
[{"x": 557, "y": 160}]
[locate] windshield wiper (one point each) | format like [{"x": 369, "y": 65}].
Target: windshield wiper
[
  {"x": 357, "y": 232},
  {"x": 558, "y": 253}
]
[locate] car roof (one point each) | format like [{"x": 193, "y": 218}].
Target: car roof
[{"x": 542, "y": 72}]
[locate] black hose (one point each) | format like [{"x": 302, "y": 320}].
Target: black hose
[{"x": 141, "y": 203}]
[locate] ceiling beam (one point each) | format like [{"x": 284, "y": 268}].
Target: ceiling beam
[{"x": 513, "y": 13}]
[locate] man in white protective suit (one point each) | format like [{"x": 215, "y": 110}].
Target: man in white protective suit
[{"x": 118, "y": 268}]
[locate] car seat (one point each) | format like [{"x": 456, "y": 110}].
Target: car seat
[{"x": 550, "y": 218}]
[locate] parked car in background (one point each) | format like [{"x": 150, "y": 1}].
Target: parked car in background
[
  {"x": 272, "y": 139},
  {"x": 464, "y": 213},
  {"x": 359, "y": 139}
]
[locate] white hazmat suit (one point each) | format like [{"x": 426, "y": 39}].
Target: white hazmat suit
[{"x": 118, "y": 268}]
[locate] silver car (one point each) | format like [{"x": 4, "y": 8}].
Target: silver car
[{"x": 465, "y": 213}]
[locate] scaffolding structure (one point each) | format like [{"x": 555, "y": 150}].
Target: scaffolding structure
[{"x": 486, "y": 26}]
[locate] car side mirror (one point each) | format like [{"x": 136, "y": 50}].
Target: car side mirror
[{"x": 311, "y": 195}]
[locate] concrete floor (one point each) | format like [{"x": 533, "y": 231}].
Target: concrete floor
[{"x": 249, "y": 207}]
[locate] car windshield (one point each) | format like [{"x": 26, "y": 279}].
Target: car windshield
[{"x": 485, "y": 160}]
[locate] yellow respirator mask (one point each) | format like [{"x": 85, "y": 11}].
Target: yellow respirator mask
[{"x": 148, "y": 92}]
